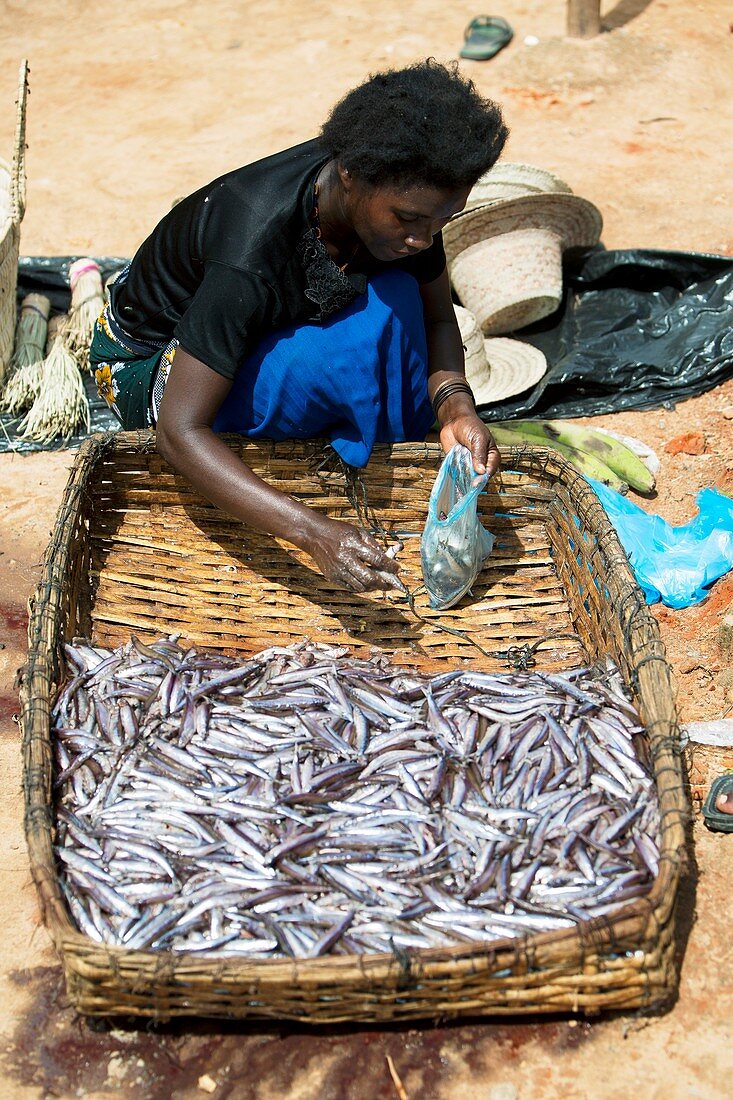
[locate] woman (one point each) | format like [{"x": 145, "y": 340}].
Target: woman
[{"x": 307, "y": 295}]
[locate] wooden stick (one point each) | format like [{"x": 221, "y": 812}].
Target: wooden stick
[
  {"x": 583, "y": 18},
  {"x": 400, "y": 1088}
]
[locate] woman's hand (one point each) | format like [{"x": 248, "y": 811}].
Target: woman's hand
[
  {"x": 192, "y": 396},
  {"x": 459, "y": 423},
  {"x": 351, "y": 557}
]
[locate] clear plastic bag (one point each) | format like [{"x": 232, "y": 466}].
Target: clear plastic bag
[
  {"x": 676, "y": 565},
  {"x": 454, "y": 544}
]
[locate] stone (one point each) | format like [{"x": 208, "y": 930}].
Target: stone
[{"x": 688, "y": 443}]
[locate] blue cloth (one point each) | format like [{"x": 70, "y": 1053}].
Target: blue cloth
[{"x": 358, "y": 378}]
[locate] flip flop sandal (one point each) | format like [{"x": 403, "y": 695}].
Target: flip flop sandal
[
  {"x": 714, "y": 818},
  {"x": 485, "y": 36}
]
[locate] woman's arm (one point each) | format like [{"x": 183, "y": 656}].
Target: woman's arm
[
  {"x": 457, "y": 415},
  {"x": 192, "y": 397}
]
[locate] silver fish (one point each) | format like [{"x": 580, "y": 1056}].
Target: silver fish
[{"x": 306, "y": 802}]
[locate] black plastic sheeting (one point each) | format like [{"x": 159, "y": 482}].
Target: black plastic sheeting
[
  {"x": 637, "y": 329},
  {"x": 49, "y": 275}
]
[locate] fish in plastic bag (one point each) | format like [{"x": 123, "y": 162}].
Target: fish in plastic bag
[{"x": 454, "y": 544}]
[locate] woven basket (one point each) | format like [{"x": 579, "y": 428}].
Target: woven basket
[
  {"x": 10, "y": 230},
  {"x": 136, "y": 551}
]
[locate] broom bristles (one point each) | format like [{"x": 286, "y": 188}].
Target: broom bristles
[
  {"x": 22, "y": 389},
  {"x": 61, "y": 406}
]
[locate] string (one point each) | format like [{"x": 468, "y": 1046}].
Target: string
[{"x": 317, "y": 230}]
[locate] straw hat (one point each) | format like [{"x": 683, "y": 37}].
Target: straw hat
[
  {"x": 505, "y": 255},
  {"x": 510, "y": 181},
  {"x": 497, "y": 368}
]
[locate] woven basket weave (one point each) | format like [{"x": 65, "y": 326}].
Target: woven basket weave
[
  {"x": 10, "y": 230},
  {"x": 136, "y": 551}
]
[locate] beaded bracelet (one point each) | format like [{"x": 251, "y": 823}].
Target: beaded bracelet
[{"x": 448, "y": 389}]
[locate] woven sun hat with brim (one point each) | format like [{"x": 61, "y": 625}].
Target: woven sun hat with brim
[
  {"x": 505, "y": 257},
  {"x": 497, "y": 368},
  {"x": 507, "y": 180}
]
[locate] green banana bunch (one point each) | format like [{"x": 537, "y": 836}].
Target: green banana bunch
[{"x": 594, "y": 454}]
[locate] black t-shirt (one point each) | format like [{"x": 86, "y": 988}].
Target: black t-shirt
[{"x": 240, "y": 258}]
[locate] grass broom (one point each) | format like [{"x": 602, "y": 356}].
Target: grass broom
[
  {"x": 61, "y": 406},
  {"x": 24, "y": 376},
  {"x": 87, "y": 302}
]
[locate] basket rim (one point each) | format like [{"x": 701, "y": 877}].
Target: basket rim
[
  {"x": 18, "y": 173},
  {"x": 634, "y": 921}
]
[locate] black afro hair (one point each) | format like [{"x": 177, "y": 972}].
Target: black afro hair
[{"x": 425, "y": 124}]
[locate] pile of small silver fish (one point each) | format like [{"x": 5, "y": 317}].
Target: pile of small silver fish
[{"x": 305, "y": 801}]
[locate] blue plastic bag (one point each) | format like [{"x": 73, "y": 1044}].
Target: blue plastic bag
[
  {"x": 454, "y": 545},
  {"x": 676, "y": 565}
]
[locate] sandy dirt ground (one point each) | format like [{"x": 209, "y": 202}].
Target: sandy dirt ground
[{"x": 135, "y": 104}]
